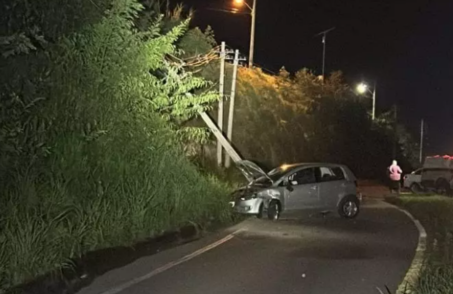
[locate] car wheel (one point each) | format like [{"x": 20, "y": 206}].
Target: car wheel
[
  {"x": 415, "y": 188},
  {"x": 273, "y": 211},
  {"x": 443, "y": 188},
  {"x": 349, "y": 207},
  {"x": 260, "y": 211}
]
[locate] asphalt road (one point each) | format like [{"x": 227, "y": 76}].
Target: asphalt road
[{"x": 300, "y": 253}]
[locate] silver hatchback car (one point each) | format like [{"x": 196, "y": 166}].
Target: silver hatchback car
[{"x": 320, "y": 186}]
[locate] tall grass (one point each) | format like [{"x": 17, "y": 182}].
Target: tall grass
[
  {"x": 116, "y": 199},
  {"x": 436, "y": 215},
  {"x": 94, "y": 164}
]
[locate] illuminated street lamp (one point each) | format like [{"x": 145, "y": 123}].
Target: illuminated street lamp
[
  {"x": 363, "y": 88},
  {"x": 252, "y": 31}
]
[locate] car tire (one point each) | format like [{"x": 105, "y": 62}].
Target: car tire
[
  {"x": 273, "y": 211},
  {"x": 260, "y": 212},
  {"x": 349, "y": 207},
  {"x": 443, "y": 188},
  {"x": 415, "y": 188}
]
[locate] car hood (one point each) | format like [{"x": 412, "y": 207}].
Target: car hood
[{"x": 251, "y": 170}]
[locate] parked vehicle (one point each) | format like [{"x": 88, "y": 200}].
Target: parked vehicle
[
  {"x": 413, "y": 181},
  {"x": 437, "y": 174},
  {"x": 321, "y": 186}
]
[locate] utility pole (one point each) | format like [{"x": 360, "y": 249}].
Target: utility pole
[
  {"x": 373, "y": 114},
  {"x": 324, "y": 36},
  {"x": 220, "y": 137},
  {"x": 421, "y": 140},
  {"x": 252, "y": 35},
  {"x": 395, "y": 135},
  {"x": 221, "y": 92},
  {"x": 231, "y": 111}
]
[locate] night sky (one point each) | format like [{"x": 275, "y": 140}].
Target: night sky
[{"x": 405, "y": 45}]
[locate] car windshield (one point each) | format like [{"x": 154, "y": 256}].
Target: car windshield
[
  {"x": 274, "y": 175},
  {"x": 280, "y": 171}
]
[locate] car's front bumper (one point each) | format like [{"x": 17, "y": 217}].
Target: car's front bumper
[{"x": 249, "y": 206}]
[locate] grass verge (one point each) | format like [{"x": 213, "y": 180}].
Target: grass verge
[{"x": 436, "y": 215}]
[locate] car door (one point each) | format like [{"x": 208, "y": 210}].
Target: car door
[
  {"x": 331, "y": 185},
  {"x": 303, "y": 190}
]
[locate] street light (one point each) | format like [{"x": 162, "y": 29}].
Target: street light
[
  {"x": 252, "y": 31},
  {"x": 363, "y": 88}
]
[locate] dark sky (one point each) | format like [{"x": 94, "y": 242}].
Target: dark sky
[{"x": 406, "y": 45}]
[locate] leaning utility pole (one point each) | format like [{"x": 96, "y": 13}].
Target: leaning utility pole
[
  {"x": 324, "y": 36},
  {"x": 421, "y": 140},
  {"x": 220, "y": 137},
  {"x": 231, "y": 111},
  {"x": 221, "y": 92}
]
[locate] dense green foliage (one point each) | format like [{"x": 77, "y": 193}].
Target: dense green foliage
[
  {"x": 434, "y": 212},
  {"x": 91, "y": 152},
  {"x": 283, "y": 118}
]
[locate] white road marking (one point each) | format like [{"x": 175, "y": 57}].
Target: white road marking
[
  {"x": 413, "y": 273},
  {"x": 122, "y": 287}
]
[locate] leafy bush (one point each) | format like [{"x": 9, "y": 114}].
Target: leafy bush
[{"x": 90, "y": 153}]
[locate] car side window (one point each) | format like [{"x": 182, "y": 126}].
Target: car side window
[
  {"x": 338, "y": 173},
  {"x": 327, "y": 174},
  {"x": 303, "y": 177}
]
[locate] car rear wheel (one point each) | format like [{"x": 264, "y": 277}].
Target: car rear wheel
[
  {"x": 415, "y": 188},
  {"x": 443, "y": 188},
  {"x": 349, "y": 207},
  {"x": 273, "y": 211}
]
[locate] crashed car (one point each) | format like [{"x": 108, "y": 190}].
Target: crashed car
[{"x": 323, "y": 186}]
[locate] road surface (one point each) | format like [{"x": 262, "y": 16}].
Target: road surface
[{"x": 301, "y": 253}]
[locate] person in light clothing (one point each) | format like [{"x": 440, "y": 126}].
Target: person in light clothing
[{"x": 395, "y": 177}]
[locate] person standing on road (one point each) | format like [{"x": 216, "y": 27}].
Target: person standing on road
[{"x": 395, "y": 177}]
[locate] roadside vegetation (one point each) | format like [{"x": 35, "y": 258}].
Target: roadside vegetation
[
  {"x": 435, "y": 213},
  {"x": 91, "y": 150},
  {"x": 298, "y": 117}
]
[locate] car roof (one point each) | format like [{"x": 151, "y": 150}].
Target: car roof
[{"x": 313, "y": 164}]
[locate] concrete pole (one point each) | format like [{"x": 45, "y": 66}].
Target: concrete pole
[
  {"x": 231, "y": 111},
  {"x": 220, "y": 137},
  {"x": 421, "y": 140},
  {"x": 221, "y": 92},
  {"x": 373, "y": 114},
  {"x": 252, "y": 35}
]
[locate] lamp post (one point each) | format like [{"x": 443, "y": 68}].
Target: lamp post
[
  {"x": 252, "y": 31},
  {"x": 363, "y": 88}
]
